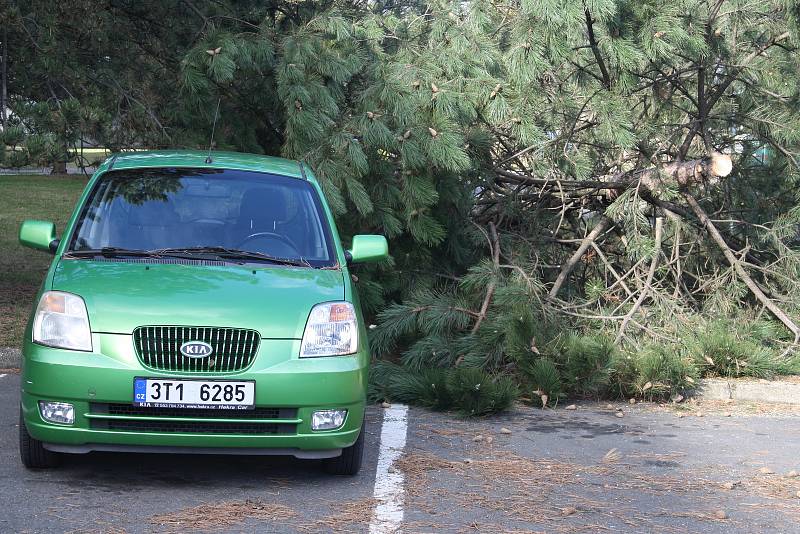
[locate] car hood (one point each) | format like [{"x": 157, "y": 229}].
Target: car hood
[{"x": 121, "y": 295}]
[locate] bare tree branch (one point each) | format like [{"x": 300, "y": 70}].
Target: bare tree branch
[
  {"x": 595, "y": 50},
  {"x": 647, "y": 283},
  {"x": 604, "y": 223},
  {"x": 494, "y": 244},
  {"x": 740, "y": 270}
]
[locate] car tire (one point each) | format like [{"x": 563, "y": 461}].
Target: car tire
[
  {"x": 32, "y": 451},
  {"x": 349, "y": 463}
]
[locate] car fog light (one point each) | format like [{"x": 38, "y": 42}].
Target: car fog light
[
  {"x": 57, "y": 412},
  {"x": 328, "y": 419}
]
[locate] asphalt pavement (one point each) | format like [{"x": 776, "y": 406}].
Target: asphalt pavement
[{"x": 726, "y": 468}]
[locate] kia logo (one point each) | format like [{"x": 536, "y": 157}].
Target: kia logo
[{"x": 196, "y": 349}]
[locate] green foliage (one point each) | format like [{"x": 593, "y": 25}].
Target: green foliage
[
  {"x": 586, "y": 362},
  {"x": 624, "y": 376},
  {"x": 470, "y": 391},
  {"x": 43, "y": 134},
  {"x": 434, "y": 123},
  {"x": 12, "y": 136},
  {"x": 544, "y": 379},
  {"x": 432, "y": 313},
  {"x": 663, "y": 371},
  {"x": 719, "y": 350},
  {"x": 476, "y": 392},
  {"x": 380, "y": 373},
  {"x": 427, "y": 387}
]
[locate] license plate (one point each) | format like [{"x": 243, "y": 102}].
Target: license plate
[{"x": 169, "y": 393}]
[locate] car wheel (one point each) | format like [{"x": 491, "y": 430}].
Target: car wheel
[
  {"x": 349, "y": 463},
  {"x": 32, "y": 451}
]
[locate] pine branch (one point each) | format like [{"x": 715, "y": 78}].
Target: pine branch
[
  {"x": 648, "y": 282},
  {"x": 740, "y": 270},
  {"x": 684, "y": 173},
  {"x": 610, "y": 267},
  {"x": 595, "y": 50},
  {"x": 704, "y": 107},
  {"x": 604, "y": 223},
  {"x": 494, "y": 245}
]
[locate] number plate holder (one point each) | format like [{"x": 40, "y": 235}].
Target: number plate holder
[{"x": 194, "y": 393}]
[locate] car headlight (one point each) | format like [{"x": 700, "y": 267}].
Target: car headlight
[
  {"x": 61, "y": 321},
  {"x": 331, "y": 330}
]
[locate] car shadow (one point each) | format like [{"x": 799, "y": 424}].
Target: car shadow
[{"x": 144, "y": 472}]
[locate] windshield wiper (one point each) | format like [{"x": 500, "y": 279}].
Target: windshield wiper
[
  {"x": 110, "y": 252},
  {"x": 230, "y": 253}
]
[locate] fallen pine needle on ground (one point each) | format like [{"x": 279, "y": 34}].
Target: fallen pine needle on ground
[{"x": 221, "y": 515}]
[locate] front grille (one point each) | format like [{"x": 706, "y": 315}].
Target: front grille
[
  {"x": 207, "y": 426},
  {"x": 158, "y": 347},
  {"x": 204, "y": 427},
  {"x": 142, "y": 411}
]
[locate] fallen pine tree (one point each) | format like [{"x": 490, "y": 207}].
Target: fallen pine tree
[{"x": 643, "y": 241}]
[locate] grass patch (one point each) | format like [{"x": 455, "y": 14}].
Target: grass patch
[{"x": 50, "y": 198}]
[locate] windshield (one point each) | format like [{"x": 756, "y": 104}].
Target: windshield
[{"x": 159, "y": 210}]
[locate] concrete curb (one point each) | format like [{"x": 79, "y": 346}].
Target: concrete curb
[
  {"x": 774, "y": 391},
  {"x": 9, "y": 358}
]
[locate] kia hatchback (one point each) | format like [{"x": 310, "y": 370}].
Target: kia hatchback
[{"x": 197, "y": 305}]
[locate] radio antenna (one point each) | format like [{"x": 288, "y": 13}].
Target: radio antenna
[{"x": 213, "y": 129}]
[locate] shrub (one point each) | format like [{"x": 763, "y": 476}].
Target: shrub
[
  {"x": 380, "y": 372},
  {"x": 623, "y": 375},
  {"x": 544, "y": 379},
  {"x": 471, "y": 391},
  {"x": 662, "y": 371},
  {"x": 719, "y": 351},
  {"x": 427, "y": 387},
  {"x": 430, "y": 351},
  {"x": 586, "y": 362},
  {"x": 789, "y": 366},
  {"x": 476, "y": 392},
  {"x": 408, "y": 387}
]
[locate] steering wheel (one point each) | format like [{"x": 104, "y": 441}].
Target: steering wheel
[{"x": 270, "y": 235}]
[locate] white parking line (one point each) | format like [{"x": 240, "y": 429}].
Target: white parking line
[
  {"x": 388, "y": 514},
  {"x": 3, "y": 375}
]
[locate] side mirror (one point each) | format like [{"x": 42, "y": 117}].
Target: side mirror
[
  {"x": 368, "y": 248},
  {"x": 40, "y": 235}
]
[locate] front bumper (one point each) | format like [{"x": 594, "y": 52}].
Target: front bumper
[{"x": 106, "y": 376}]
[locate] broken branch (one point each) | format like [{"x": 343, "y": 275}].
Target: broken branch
[
  {"x": 604, "y": 223},
  {"x": 648, "y": 282},
  {"x": 740, "y": 270},
  {"x": 494, "y": 244}
]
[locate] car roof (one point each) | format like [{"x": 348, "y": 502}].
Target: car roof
[{"x": 198, "y": 159}]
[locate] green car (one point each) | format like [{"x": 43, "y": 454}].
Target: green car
[{"x": 197, "y": 304}]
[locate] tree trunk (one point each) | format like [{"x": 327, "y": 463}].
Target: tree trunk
[
  {"x": 690, "y": 172},
  {"x": 4, "y": 80},
  {"x": 59, "y": 167},
  {"x": 681, "y": 173}
]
